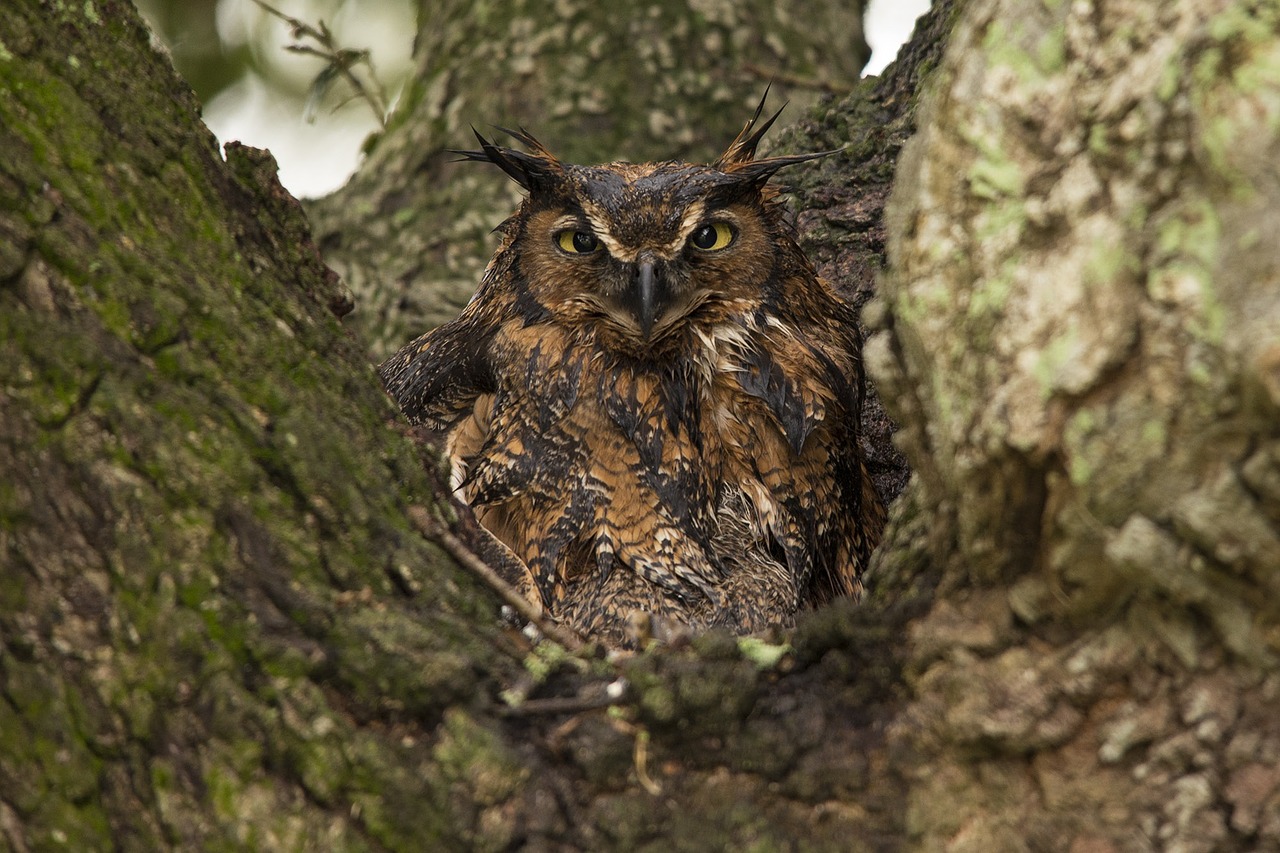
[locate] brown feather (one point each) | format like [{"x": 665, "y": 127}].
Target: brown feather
[{"x": 703, "y": 468}]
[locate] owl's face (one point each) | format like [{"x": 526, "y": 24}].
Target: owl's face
[
  {"x": 642, "y": 249},
  {"x": 635, "y": 253}
]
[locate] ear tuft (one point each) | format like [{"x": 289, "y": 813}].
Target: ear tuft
[
  {"x": 743, "y": 147},
  {"x": 739, "y": 158},
  {"x": 533, "y": 170}
]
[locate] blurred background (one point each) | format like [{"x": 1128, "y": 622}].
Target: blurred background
[{"x": 235, "y": 54}]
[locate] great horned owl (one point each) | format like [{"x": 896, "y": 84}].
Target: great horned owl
[{"x": 652, "y": 400}]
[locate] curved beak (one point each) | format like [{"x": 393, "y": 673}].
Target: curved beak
[{"x": 646, "y": 297}]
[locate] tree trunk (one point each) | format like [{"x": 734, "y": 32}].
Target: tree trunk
[
  {"x": 220, "y": 628},
  {"x": 1082, "y": 341}
]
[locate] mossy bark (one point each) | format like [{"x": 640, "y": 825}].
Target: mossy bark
[
  {"x": 214, "y": 614},
  {"x": 1081, "y": 337},
  {"x": 219, "y": 631}
]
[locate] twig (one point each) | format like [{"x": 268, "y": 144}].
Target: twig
[
  {"x": 640, "y": 755},
  {"x": 439, "y": 534},
  {"x": 559, "y": 705},
  {"x": 797, "y": 80},
  {"x": 340, "y": 60}
]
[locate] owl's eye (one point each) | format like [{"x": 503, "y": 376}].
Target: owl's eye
[
  {"x": 577, "y": 242},
  {"x": 713, "y": 237}
]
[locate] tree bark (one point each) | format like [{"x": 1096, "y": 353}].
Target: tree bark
[
  {"x": 219, "y": 627},
  {"x": 1082, "y": 342}
]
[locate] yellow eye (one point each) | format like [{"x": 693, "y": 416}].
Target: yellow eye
[
  {"x": 713, "y": 237},
  {"x": 577, "y": 242}
]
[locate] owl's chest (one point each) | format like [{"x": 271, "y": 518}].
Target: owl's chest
[
  {"x": 684, "y": 415},
  {"x": 696, "y": 409},
  {"x": 584, "y": 426}
]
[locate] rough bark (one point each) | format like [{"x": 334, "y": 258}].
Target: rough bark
[
  {"x": 215, "y": 615},
  {"x": 594, "y": 81},
  {"x": 218, "y": 629},
  {"x": 1082, "y": 341}
]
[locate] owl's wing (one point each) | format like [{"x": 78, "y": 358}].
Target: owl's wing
[
  {"x": 437, "y": 378},
  {"x": 846, "y": 515},
  {"x": 524, "y": 450},
  {"x": 811, "y": 385}
]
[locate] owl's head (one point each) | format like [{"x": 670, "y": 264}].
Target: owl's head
[{"x": 635, "y": 253}]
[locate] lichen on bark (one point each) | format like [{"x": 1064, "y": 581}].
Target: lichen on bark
[
  {"x": 189, "y": 548},
  {"x": 1082, "y": 315}
]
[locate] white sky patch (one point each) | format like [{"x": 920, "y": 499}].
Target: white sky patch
[{"x": 888, "y": 25}]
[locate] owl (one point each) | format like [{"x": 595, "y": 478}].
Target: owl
[{"x": 652, "y": 401}]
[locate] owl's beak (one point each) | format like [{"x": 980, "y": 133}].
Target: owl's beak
[{"x": 646, "y": 297}]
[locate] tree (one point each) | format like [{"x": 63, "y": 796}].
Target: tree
[{"x": 221, "y": 628}]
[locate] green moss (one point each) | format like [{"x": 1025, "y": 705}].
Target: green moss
[
  {"x": 1260, "y": 77},
  {"x": 1248, "y": 239},
  {"x": 1075, "y": 440},
  {"x": 1155, "y": 433},
  {"x": 1054, "y": 356},
  {"x": 18, "y": 758},
  {"x": 1192, "y": 240},
  {"x": 922, "y": 300},
  {"x": 658, "y": 702},
  {"x": 470, "y": 754},
  {"x": 1201, "y": 373},
  {"x": 394, "y": 657},
  {"x": 763, "y": 654},
  {"x": 994, "y": 175},
  {"x": 626, "y": 820},
  {"x": 50, "y": 774},
  {"x": 1219, "y": 136},
  {"x": 1001, "y": 223},
  {"x": 699, "y": 697},
  {"x": 317, "y": 749},
  {"x": 1247, "y": 59},
  {"x": 989, "y": 297},
  {"x": 1003, "y": 43},
  {"x": 1254, "y": 24},
  {"x": 72, "y": 826},
  {"x": 1051, "y": 51},
  {"x": 545, "y": 658},
  {"x": 1107, "y": 263},
  {"x": 225, "y": 791}
]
